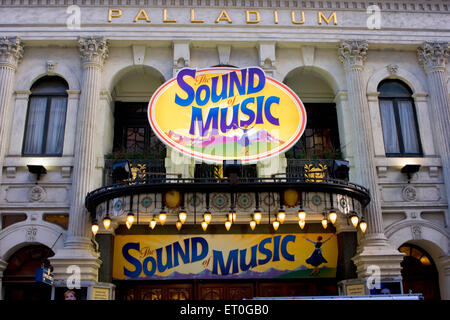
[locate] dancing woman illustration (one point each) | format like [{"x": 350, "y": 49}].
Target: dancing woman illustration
[{"x": 316, "y": 258}]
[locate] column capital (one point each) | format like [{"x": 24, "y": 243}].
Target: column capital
[
  {"x": 93, "y": 50},
  {"x": 433, "y": 55},
  {"x": 353, "y": 53},
  {"x": 11, "y": 51}
]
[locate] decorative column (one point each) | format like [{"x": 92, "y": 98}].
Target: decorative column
[
  {"x": 78, "y": 248},
  {"x": 373, "y": 248},
  {"x": 433, "y": 57},
  {"x": 11, "y": 53}
]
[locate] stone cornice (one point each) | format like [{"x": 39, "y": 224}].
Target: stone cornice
[
  {"x": 361, "y": 5},
  {"x": 11, "y": 51},
  {"x": 353, "y": 53},
  {"x": 433, "y": 55},
  {"x": 93, "y": 50}
]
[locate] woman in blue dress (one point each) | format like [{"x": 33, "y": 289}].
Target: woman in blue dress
[{"x": 316, "y": 258}]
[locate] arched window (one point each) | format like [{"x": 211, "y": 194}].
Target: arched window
[
  {"x": 398, "y": 119},
  {"x": 46, "y": 118}
]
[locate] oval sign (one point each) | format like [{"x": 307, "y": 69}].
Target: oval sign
[{"x": 219, "y": 114}]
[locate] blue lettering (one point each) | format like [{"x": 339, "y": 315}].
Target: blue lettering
[
  {"x": 197, "y": 119},
  {"x": 232, "y": 261},
  {"x": 261, "y": 80},
  {"x": 177, "y": 251},
  {"x": 185, "y": 87},
  {"x": 276, "y": 248},
  {"x": 150, "y": 272},
  {"x": 198, "y": 95},
  {"x": 224, "y": 127},
  {"x": 269, "y": 102},
  {"x": 205, "y": 249},
  {"x": 248, "y": 112},
  {"x": 223, "y": 95},
  {"x": 244, "y": 266},
  {"x": 168, "y": 265},
  {"x": 234, "y": 80},
  {"x": 263, "y": 250},
  {"x": 135, "y": 262},
  {"x": 284, "y": 243}
]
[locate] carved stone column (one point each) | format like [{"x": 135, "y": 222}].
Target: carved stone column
[
  {"x": 78, "y": 247},
  {"x": 11, "y": 53},
  {"x": 433, "y": 57},
  {"x": 373, "y": 246}
]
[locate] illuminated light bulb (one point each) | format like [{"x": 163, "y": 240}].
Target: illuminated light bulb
[
  {"x": 178, "y": 225},
  {"x": 301, "y": 214},
  {"x": 130, "y": 218},
  {"x": 324, "y": 223},
  {"x": 182, "y": 216},
  {"x": 302, "y": 223},
  {"x": 252, "y": 224},
  {"x": 275, "y": 225},
  {"x": 363, "y": 226},
  {"x": 228, "y": 225},
  {"x": 332, "y": 216},
  {"x": 257, "y": 216},
  {"x": 162, "y": 217},
  {"x": 107, "y": 222},
  {"x": 94, "y": 228},
  {"x": 232, "y": 216},
  {"x": 207, "y": 217},
  {"x": 204, "y": 225},
  {"x": 281, "y": 215},
  {"x": 128, "y": 224},
  {"x": 152, "y": 223},
  {"x": 354, "y": 220}
]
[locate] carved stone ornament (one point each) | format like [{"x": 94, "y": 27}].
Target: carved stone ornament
[
  {"x": 30, "y": 234},
  {"x": 433, "y": 55},
  {"x": 93, "y": 49},
  {"x": 352, "y": 52},
  {"x": 51, "y": 65},
  {"x": 37, "y": 193},
  {"x": 416, "y": 232},
  {"x": 392, "y": 68},
  {"x": 409, "y": 193},
  {"x": 11, "y": 50}
]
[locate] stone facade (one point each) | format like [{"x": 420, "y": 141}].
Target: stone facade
[{"x": 143, "y": 37}]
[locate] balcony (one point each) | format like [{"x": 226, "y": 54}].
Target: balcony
[{"x": 320, "y": 185}]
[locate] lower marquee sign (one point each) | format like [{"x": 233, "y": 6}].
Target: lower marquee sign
[{"x": 235, "y": 256}]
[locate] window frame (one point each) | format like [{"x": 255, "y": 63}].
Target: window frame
[
  {"x": 395, "y": 100},
  {"x": 49, "y": 97}
]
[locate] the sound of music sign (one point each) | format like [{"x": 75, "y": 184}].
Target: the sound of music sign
[
  {"x": 225, "y": 256},
  {"x": 219, "y": 114}
]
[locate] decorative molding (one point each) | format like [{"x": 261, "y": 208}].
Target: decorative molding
[
  {"x": 409, "y": 193},
  {"x": 31, "y": 234},
  {"x": 433, "y": 55},
  {"x": 416, "y": 231},
  {"x": 224, "y": 53},
  {"x": 93, "y": 50},
  {"x": 392, "y": 68},
  {"x": 353, "y": 53},
  {"x": 433, "y": 172},
  {"x": 51, "y": 65},
  {"x": 342, "y": 5},
  {"x": 11, "y": 172},
  {"x": 37, "y": 193},
  {"x": 266, "y": 51},
  {"x": 382, "y": 172},
  {"x": 139, "y": 54},
  {"x": 11, "y": 51},
  {"x": 308, "y": 55}
]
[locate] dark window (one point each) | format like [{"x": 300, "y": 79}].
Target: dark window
[
  {"x": 398, "y": 120},
  {"x": 46, "y": 118},
  {"x": 321, "y": 137},
  {"x": 133, "y": 134}
]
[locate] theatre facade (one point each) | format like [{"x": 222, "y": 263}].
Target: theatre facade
[{"x": 337, "y": 165}]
